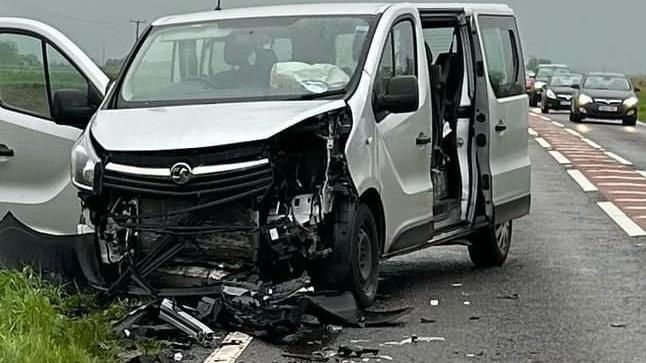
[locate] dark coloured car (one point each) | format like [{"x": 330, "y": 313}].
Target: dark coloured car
[
  {"x": 543, "y": 75},
  {"x": 558, "y": 93},
  {"x": 608, "y": 96}
]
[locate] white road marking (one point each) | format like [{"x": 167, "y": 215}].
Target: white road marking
[
  {"x": 585, "y": 155},
  {"x": 572, "y": 132},
  {"x": 627, "y": 185},
  {"x": 583, "y": 182},
  {"x": 636, "y": 208},
  {"x": 591, "y": 143},
  {"x": 630, "y": 200},
  {"x": 626, "y": 192},
  {"x": 532, "y": 132},
  {"x": 610, "y": 164},
  {"x": 543, "y": 143},
  {"x": 642, "y": 172},
  {"x": 628, "y": 225},
  {"x": 228, "y": 353},
  {"x": 557, "y": 124},
  {"x": 559, "y": 157},
  {"x": 618, "y": 177},
  {"x": 545, "y": 118},
  {"x": 640, "y": 217},
  {"x": 618, "y": 158},
  {"x": 618, "y": 171}
]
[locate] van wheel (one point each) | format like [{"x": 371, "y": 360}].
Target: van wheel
[
  {"x": 490, "y": 246},
  {"x": 354, "y": 263}
]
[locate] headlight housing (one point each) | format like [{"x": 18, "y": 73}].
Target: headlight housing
[
  {"x": 550, "y": 94},
  {"x": 584, "y": 100},
  {"x": 84, "y": 160},
  {"x": 631, "y": 102}
]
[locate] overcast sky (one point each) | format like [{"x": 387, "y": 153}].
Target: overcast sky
[{"x": 587, "y": 34}]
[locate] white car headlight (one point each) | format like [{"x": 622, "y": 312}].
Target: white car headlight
[
  {"x": 84, "y": 160},
  {"x": 550, "y": 94},
  {"x": 631, "y": 102},
  {"x": 584, "y": 100}
]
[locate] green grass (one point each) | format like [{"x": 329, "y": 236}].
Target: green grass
[
  {"x": 42, "y": 322},
  {"x": 640, "y": 82}
]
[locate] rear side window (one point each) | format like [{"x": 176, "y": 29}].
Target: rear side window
[{"x": 503, "y": 55}]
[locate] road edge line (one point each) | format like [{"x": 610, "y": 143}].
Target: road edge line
[
  {"x": 560, "y": 158},
  {"x": 618, "y": 158},
  {"x": 543, "y": 143},
  {"x": 583, "y": 182},
  {"x": 621, "y": 219},
  {"x": 229, "y": 353}
]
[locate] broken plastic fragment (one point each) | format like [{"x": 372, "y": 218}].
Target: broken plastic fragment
[
  {"x": 456, "y": 285},
  {"x": 508, "y": 297},
  {"x": 410, "y": 340},
  {"x": 435, "y": 302},
  {"x": 618, "y": 325},
  {"x": 178, "y": 357},
  {"x": 467, "y": 303}
]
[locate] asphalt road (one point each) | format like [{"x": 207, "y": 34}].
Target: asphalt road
[
  {"x": 573, "y": 289},
  {"x": 627, "y": 141}
]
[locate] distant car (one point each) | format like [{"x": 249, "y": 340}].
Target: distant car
[
  {"x": 543, "y": 75},
  {"x": 557, "y": 95},
  {"x": 606, "y": 96},
  {"x": 529, "y": 81}
]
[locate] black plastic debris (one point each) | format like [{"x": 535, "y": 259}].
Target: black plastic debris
[
  {"x": 342, "y": 309},
  {"x": 508, "y": 297},
  {"x": 426, "y": 321},
  {"x": 618, "y": 325}
]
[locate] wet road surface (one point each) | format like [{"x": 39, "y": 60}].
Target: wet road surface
[{"x": 573, "y": 288}]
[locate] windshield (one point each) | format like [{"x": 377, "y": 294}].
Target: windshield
[
  {"x": 565, "y": 80},
  {"x": 607, "y": 83},
  {"x": 260, "y": 58},
  {"x": 547, "y": 72}
]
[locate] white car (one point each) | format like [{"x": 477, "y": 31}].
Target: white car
[{"x": 282, "y": 140}]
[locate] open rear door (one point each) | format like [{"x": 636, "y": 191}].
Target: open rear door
[{"x": 501, "y": 117}]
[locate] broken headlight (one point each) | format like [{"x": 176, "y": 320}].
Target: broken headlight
[{"x": 84, "y": 160}]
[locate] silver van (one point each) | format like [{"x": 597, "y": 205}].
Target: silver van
[{"x": 281, "y": 141}]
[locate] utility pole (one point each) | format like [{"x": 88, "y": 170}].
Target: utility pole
[{"x": 138, "y": 23}]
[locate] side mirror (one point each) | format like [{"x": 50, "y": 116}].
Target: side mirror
[
  {"x": 72, "y": 108},
  {"x": 401, "y": 96},
  {"x": 576, "y": 86},
  {"x": 637, "y": 89}
]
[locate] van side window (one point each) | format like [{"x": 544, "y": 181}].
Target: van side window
[
  {"x": 23, "y": 86},
  {"x": 504, "y": 63},
  {"x": 398, "y": 58}
]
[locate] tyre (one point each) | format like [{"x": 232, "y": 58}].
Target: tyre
[
  {"x": 533, "y": 100},
  {"x": 354, "y": 263},
  {"x": 545, "y": 109},
  {"x": 575, "y": 117},
  {"x": 630, "y": 121},
  {"x": 490, "y": 246}
]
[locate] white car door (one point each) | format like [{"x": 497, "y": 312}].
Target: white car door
[
  {"x": 36, "y": 63},
  {"x": 404, "y": 139},
  {"x": 508, "y": 180}
]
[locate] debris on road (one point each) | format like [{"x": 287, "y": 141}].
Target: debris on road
[
  {"x": 415, "y": 339},
  {"x": 618, "y": 325},
  {"x": 467, "y": 303},
  {"x": 435, "y": 302},
  {"x": 426, "y": 321},
  {"x": 508, "y": 297},
  {"x": 458, "y": 284}
]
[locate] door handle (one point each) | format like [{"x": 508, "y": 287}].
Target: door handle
[
  {"x": 500, "y": 127},
  {"x": 422, "y": 139},
  {"x": 6, "y": 151}
]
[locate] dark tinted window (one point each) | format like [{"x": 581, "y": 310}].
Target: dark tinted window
[{"x": 502, "y": 52}]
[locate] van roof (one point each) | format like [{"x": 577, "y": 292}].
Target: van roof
[{"x": 323, "y": 9}]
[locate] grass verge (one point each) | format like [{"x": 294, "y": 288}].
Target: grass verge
[{"x": 43, "y": 322}]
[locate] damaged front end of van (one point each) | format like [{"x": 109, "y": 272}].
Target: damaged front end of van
[{"x": 179, "y": 222}]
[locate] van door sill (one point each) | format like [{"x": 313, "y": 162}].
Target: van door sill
[{"x": 447, "y": 237}]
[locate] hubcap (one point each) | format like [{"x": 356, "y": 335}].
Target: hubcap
[
  {"x": 503, "y": 236},
  {"x": 365, "y": 255}
]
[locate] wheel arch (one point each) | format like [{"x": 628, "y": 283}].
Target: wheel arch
[{"x": 372, "y": 199}]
